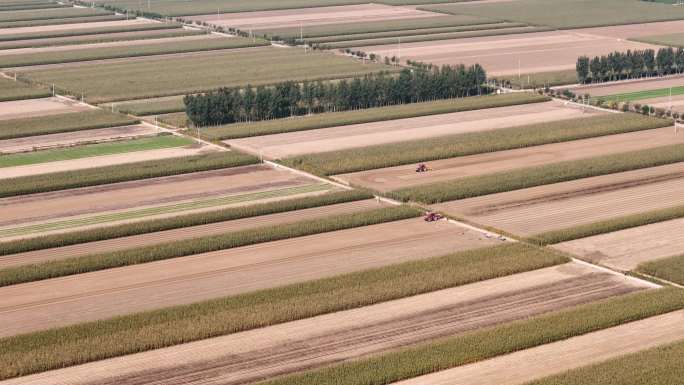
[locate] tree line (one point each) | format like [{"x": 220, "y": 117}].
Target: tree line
[
  {"x": 230, "y": 105},
  {"x": 630, "y": 65}
]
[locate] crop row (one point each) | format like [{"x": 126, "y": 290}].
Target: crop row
[
  {"x": 607, "y": 226},
  {"x": 12, "y": 90},
  {"x": 72, "y": 20},
  {"x": 69, "y": 122},
  {"x": 539, "y": 80},
  {"x": 45, "y": 14},
  {"x": 102, "y": 261},
  {"x": 368, "y": 115},
  {"x": 491, "y": 342},
  {"x": 79, "y": 55},
  {"x": 670, "y": 269},
  {"x": 151, "y": 107},
  {"x": 113, "y": 174},
  {"x": 101, "y": 38},
  {"x": 88, "y": 31},
  {"x": 134, "y": 333},
  {"x": 36, "y": 6},
  {"x": 396, "y": 154},
  {"x": 176, "y": 222},
  {"x": 540, "y": 175}
]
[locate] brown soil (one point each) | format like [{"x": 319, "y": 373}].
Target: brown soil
[
  {"x": 38, "y": 107},
  {"x": 104, "y": 294},
  {"x": 312, "y": 16},
  {"x": 555, "y": 358},
  {"x": 251, "y": 355},
  {"x": 130, "y": 242},
  {"x": 393, "y": 178},
  {"x": 561, "y": 205},
  {"x": 500, "y": 55},
  {"x": 625, "y": 250},
  {"x": 74, "y": 138},
  {"x": 144, "y": 193},
  {"x": 368, "y": 134},
  {"x": 635, "y": 30}
]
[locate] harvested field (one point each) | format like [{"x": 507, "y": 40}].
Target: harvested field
[
  {"x": 12, "y": 90},
  {"x": 536, "y": 52},
  {"x": 675, "y": 103},
  {"x": 394, "y": 178},
  {"x": 558, "y": 357},
  {"x": 49, "y": 30},
  {"x": 121, "y": 198},
  {"x": 39, "y": 107},
  {"x": 636, "y": 32},
  {"x": 624, "y": 87},
  {"x": 362, "y": 135},
  {"x": 624, "y": 250},
  {"x": 33, "y": 45},
  {"x": 194, "y": 72},
  {"x": 311, "y": 16},
  {"x": 149, "y": 239},
  {"x": 190, "y": 279},
  {"x": 32, "y": 143},
  {"x": 261, "y": 353},
  {"x": 553, "y": 207}
]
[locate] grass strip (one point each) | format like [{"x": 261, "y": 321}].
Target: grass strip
[
  {"x": 187, "y": 220},
  {"x": 45, "y": 350},
  {"x": 166, "y": 209},
  {"x": 670, "y": 269},
  {"x": 641, "y": 95},
  {"x": 536, "y": 176},
  {"x": 607, "y": 226},
  {"x": 656, "y": 366},
  {"x": 71, "y": 20},
  {"x": 12, "y": 90},
  {"x": 495, "y": 341},
  {"x": 114, "y": 174},
  {"x": 79, "y": 55},
  {"x": 369, "y": 115},
  {"x": 55, "y": 124},
  {"x": 92, "y": 150},
  {"x": 182, "y": 248},
  {"x": 396, "y": 154}
]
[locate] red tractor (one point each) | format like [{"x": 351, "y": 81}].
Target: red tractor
[
  {"x": 432, "y": 217},
  {"x": 422, "y": 168}
]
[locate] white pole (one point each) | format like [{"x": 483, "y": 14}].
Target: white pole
[{"x": 519, "y": 74}]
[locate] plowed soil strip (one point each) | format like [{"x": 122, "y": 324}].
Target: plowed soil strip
[
  {"x": 554, "y": 358},
  {"x": 509, "y": 54},
  {"x": 185, "y": 233},
  {"x": 626, "y": 249},
  {"x": 104, "y": 294},
  {"x": 144, "y": 193},
  {"x": 73, "y": 26},
  {"x": 393, "y": 178},
  {"x": 73, "y": 138},
  {"x": 553, "y": 207},
  {"x": 248, "y": 356},
  {"x": 368, "y": 134},
  {"x": 38, "y": 107}
]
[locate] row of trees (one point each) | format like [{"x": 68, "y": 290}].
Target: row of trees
[
  {"x": 630, "y": 64},
  {"x": 229, "y": 105}
]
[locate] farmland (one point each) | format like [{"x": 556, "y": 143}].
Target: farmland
[
  {"x": 11, "y": 90},
  {"x": 61, "y": 13},
  {"x": 7, "y": 26},
  {"x": 34, "y": 108},
  {"x": 672, "y": 39},
  {"x": 194, "y": 72}
]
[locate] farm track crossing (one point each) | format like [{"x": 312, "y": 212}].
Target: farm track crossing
[{"x": 104, "y": 294}]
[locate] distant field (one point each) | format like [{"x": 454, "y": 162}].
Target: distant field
[
  {"x": 72, "y": 20},
  {"x": 91, "y": 150},
  {"x": 568, "y": 13},
  {"x": 87, "y": 31},
  {"x": 641, "y": 95},
  {"x": 541, "y": 79},
  {"x": 156, "y": 77},
  {"x": 673, "y": 39},
  {"x": 150, "y": 107},
  {"x": 45, "y": 14},
  {"x": 78, "y": 55},
  {"x": 11, "y": 90},
  {"x": 67, "y": 122}
]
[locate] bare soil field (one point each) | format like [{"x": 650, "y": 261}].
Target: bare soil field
[
  {"x": 124, "y": 243},
  {"x": 125, "y": 43},
  {"x": 104, "y": 160},
  {"x": 38, "y": 107},
  {"x": 144, "y": 193},
  {"x": 312, "y": 16},
  {"x": 553, "y": 207},
  {"x": 500, "y": 55},
  {"x": 73, "y": 138},
  {"x": 393, "y": 178},
  {"x": 630, "y": 31},
  {"x": 368, "y": 134},
  {"x": 624, "y": 250},
  {"x": 630, "y": 86},
  {"x": 75, "y": 26},
  {"x": 107, "y": 293},
  {"x": 557, "y": 357},
  {"x": 252, "y": 355},
  {"x": 676, "y": 103}
]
